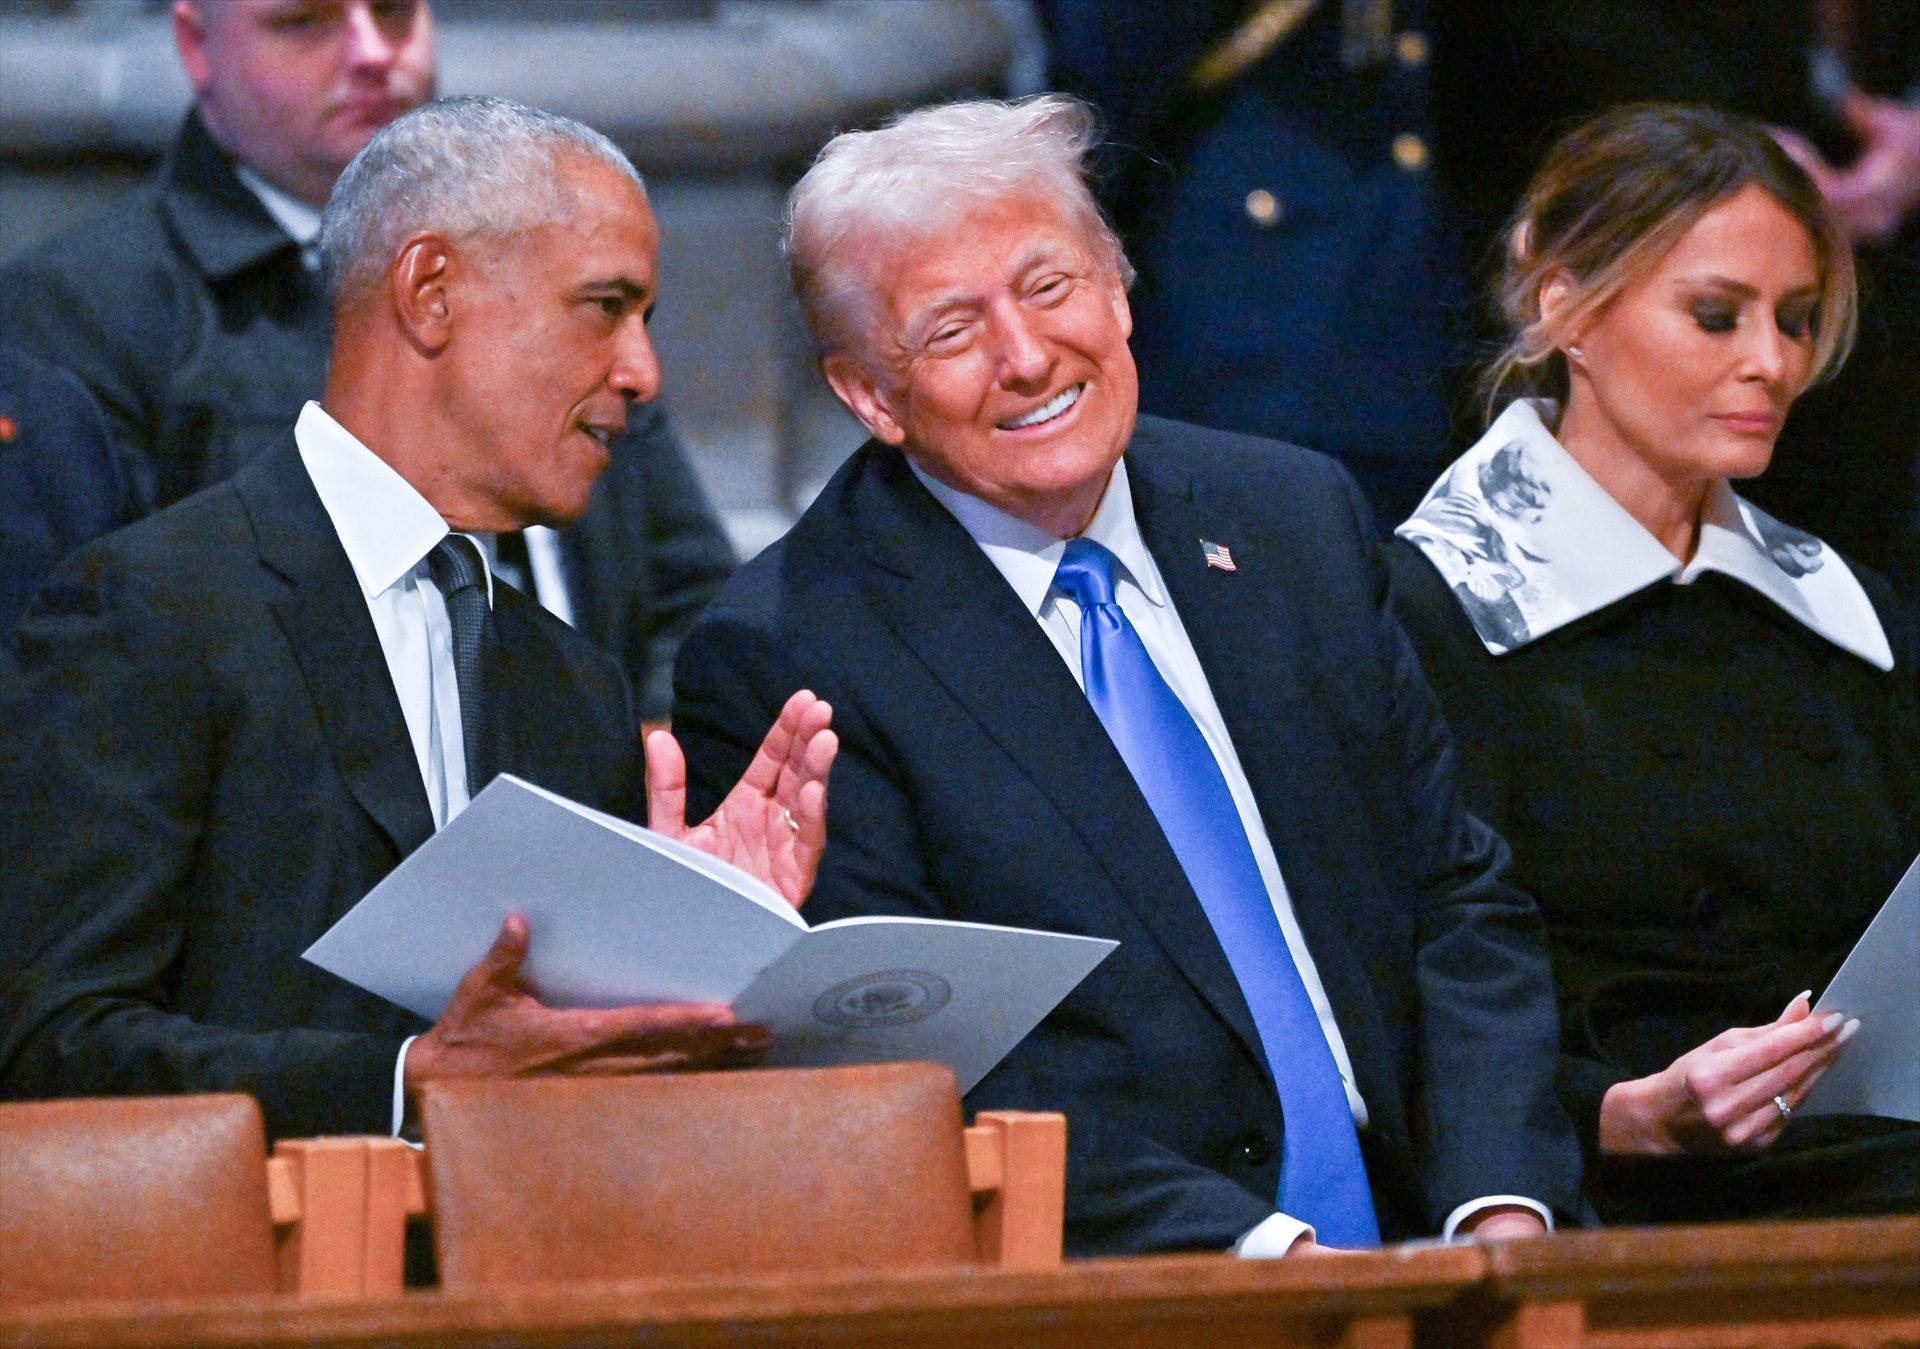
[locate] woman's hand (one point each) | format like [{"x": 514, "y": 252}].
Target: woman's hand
[{"x": 1720, "y": 1096}]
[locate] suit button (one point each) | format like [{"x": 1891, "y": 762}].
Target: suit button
[
  {"x": 1256, "y": 1149},
  {"x": 1409, "y": 152},
  {"x": 1263, "y": 208},
  {"x": 1411, "y": 49}
]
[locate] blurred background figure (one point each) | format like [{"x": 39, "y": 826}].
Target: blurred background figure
[
  {"x": 210, "y": 335},
  {"x": 1694, "y": 724},
  {"x": 61, "y": 478},
  {"x": 1276, "y": 185}
]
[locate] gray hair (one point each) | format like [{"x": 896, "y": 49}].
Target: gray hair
[
  {"x": 461, "y": 167},
  {"x": 917, "y": 174}
]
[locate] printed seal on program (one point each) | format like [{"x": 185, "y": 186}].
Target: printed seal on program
[{"x": 887, "y": 998}]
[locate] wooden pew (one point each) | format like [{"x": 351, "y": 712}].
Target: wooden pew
[
  {"x": 1763, "y": 1286},
  {"x": 1365, "y": 1301}
]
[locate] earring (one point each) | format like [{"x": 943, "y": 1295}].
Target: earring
[{"x": 1576, "y": 353}]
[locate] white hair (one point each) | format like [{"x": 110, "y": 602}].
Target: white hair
[
  {"x": 460, "y": 167},
  {"x": 918, "y": 173}
]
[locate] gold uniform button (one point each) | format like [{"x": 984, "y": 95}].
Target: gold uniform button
[
  {"x": 1263, "y": 208},
  {"x": 1411, "y": 48},
  {"x": 1409, "y": 152}
]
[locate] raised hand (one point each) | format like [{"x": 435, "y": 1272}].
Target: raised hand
[
  {"x": 1719, "y": 1097},
  {"x": 774, "y": 821},
  {"x": 493, "y": 1027}
]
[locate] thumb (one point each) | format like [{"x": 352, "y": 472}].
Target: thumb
[
  {"x": 500, "y": 966},
  {"x": 1798, "y": 1008}
]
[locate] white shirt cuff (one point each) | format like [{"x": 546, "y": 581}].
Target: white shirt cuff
[
  {"x": 400, "y": 1085},
  {"x": 1271, "y": 1239},
  {"x": 1473, "y": 1206}
]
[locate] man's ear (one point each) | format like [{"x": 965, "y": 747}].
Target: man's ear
[
  {"x": 855, "y": 386},
  {"x": 190, "y": 38},
  {"x": 1122, "y": 311},
  {"x": 419, "y": 278}
]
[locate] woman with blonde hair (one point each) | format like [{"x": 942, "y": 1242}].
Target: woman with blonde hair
[{"x": 1696, "y": 726}]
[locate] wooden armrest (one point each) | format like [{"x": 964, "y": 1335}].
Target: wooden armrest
[
  {"x": 1017, "y": 1170},
  {"x": 340, "y": 1209}
]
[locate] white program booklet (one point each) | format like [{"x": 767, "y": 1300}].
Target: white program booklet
[
  {"x": 1878, "y": 1073},
  {"x": 620, "y": 914}
]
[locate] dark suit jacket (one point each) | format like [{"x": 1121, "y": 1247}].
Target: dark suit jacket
[
  {"x": 185, "y": 309},
  {"x": 61, "y": 480},
  {"x": 205, "y": 765},
  {"x": 975, "y": 782}
]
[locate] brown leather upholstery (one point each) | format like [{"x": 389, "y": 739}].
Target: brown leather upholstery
[
  {"x": 152, "y": 1197},
  {"x": 734, "y": 1173}
]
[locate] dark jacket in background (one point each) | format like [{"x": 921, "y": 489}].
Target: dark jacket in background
[
  {"x": 1327, "y": 310},
  {"x": 62, "y": 481},
  {"x": 188, "y": 313}
]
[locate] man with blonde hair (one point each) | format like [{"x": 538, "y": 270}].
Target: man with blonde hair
[{"x": 1112, "y": 675}]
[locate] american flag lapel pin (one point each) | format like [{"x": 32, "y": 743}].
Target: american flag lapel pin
[{"x": 1217, "y": 555}]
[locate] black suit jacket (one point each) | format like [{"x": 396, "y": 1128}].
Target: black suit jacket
[
  {"x": 186, "y": 311},
  {"x": 205, "y": 765},
  {"x": 975, "y": 782}
]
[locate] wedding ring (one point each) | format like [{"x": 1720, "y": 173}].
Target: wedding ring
[
  {"x": 794, "y": 825},
  {"x": 1780, "y": 1104}
]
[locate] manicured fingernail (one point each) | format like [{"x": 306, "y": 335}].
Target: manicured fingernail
[
  {"x": 1832, "y": 1022},
  {"x": 1848, "y": 1031}
]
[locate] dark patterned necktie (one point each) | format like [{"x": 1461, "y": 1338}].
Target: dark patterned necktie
[{"x": 462, "y": 577}]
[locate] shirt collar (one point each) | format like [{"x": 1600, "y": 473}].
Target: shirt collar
[
  {"x": 1530, "y": 543},
  {"x": 386, "y": 526},
  {"x": 1028, "y": 556},
  {"x": 290, "y": 213}
]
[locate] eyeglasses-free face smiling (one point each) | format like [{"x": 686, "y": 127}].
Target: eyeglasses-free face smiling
[{"x": 999, "y": 363}]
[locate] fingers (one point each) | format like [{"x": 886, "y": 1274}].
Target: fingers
[
  {"x": 1734, "y": 1088},
  {"x": 777, "y": 748},
  {"x": 666, "y": 785},
  {"x": 659, "y": 1039},
  {"x": 1730, "y": 1065}
]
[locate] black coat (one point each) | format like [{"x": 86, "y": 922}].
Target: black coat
[
  {"x": 1710, "y": 803},
  {"x": 205, "y": 764},
  {"x": 187, "y": 312},
  {"x": 976, "y": 782}
]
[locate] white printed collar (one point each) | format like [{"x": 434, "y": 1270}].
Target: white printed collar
[{"x": 1529, "y": 543}]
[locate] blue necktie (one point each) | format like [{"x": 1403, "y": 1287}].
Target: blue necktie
[{"x": 1322, "y": 1178}]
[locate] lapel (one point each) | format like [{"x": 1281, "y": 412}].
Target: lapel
[
  {"x": 326, "y": 623},
  {"x": 215, "y": 220},
  {"x": 941, "y": 596},
  {"x": 1258, "y": 652}
]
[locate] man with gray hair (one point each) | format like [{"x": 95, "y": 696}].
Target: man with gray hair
[
  {"x": 1107, "y": 674},
  {"x": 230, "y": 720}
]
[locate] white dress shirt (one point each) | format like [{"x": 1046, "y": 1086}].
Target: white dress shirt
[
  {"x": 388, "y": 529},
  {"x": 1028, "y": 557}
]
